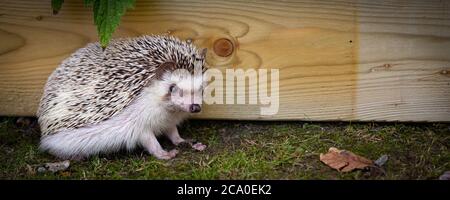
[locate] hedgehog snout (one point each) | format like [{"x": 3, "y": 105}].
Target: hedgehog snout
[{"x": 195, "y": 108}]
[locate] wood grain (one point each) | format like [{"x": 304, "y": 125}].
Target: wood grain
[{"x": 338, "y": 60}]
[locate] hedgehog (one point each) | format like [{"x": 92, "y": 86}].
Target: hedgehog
[{"x": 99, "y": 101}]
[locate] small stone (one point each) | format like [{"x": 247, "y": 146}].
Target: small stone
[
  {"x": 381, "y": 161},
  {"x": 41, "y": 169},
  {"x": 54, "y": 167},
  {"x": 445, "y": 176},
  {"x": 58, "y": 166}
]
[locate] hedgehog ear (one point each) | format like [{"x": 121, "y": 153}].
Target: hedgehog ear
[
  {"x": 163, "y": 68},
  {"x": 203, "y": 52}
]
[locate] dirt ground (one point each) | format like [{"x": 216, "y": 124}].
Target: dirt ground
[{"x": 246, "y": 150}]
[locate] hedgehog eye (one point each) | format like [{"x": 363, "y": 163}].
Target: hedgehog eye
[{"x": 171, "y": 88}]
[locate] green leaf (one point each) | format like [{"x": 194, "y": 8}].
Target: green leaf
[
  {"x": 107, "y": 15},
  {"x": 56, "y": 6}
]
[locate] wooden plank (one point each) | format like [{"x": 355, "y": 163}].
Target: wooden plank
[{"x": 338, "y": 60}]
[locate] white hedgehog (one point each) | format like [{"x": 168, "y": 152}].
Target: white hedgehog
[{"x": 100, "y": 101}]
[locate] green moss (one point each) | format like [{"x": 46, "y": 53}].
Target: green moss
[{"x": 248, "y": 150}]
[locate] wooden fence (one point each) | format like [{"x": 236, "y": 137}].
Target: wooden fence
[{"x": 338, "y": 60}]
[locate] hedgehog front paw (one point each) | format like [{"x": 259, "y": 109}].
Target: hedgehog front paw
[{"x": 164, "y": 155}]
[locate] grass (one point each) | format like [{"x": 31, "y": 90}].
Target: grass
[{"x": 248, "y": 150}]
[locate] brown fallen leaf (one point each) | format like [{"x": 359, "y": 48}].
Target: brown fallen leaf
[{"x": 344, "y": 161}]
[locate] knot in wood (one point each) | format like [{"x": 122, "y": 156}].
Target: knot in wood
[{"x": 223, "y": 47}]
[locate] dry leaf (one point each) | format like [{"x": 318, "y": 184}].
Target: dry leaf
[{"x": 344, "y": 161}]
